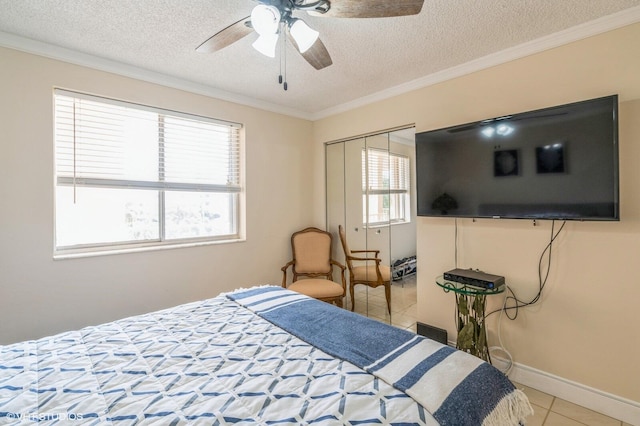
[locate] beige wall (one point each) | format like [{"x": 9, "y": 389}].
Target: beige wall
[
  {"x": 40, "y": 296},
  {"x": 583, "y": 329}
]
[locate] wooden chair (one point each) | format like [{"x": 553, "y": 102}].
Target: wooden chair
[
  {"x": 312, "y": 262},
  {"x": 372, "y": 273}
]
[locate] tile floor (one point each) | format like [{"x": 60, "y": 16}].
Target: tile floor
[
  {"x": 551, "y": 411},
  {"x": 548, "y": 410},
  {"x": 371, "y": 302}
]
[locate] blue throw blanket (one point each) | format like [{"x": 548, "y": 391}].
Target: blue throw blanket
[{"x": 455, "y": 387}]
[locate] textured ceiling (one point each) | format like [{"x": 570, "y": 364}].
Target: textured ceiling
[{"x": 369, "y": 55}]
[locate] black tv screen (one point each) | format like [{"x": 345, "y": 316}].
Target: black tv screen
[{"x": 554, "y": 163}]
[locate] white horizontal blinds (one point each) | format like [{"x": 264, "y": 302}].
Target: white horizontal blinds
[
  {"x": 399, "y": 173},
  {"x": 201, "y": 153},
  {"x": 385, "y": 179},
  {"x": 103, "y": 142},
  {"x": 93, "y": 141},
  {"x": 375, "y": 171},
  {"x": 384, "y": 172}
]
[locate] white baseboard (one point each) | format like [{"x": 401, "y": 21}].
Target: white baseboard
[{"x": 611, "y": 405}]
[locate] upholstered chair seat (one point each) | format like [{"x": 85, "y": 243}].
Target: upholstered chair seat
[{"x": 318, "y": 288}]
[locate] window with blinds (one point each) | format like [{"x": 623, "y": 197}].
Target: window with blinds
[
  {"x": 132, "y": 175},
  {"x": 385, "y": 187}
]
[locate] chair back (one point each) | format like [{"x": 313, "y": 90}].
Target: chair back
[
  {"x": 345, "y": 246},
  {"x": 311, "y": 250},
  {"x": 372, "y": 275}
]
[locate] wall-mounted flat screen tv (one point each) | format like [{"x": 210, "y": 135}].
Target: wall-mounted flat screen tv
[{"x": 554, "y": 163}]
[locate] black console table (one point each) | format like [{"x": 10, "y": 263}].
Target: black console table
[{"x": 470, "y": 307}]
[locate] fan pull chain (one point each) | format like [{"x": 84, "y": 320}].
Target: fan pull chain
[
  {"x": 285, "y": 64},
  {"x": 283, "y": 55}
]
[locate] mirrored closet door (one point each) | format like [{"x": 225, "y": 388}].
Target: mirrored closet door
[{"x": 369, "y": 189}]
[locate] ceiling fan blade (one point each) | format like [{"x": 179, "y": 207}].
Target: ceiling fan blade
[
  {"x": 317, "y": 55},
  {"x": 224, "y": 38},
  {"x": 371, "y": 8}
]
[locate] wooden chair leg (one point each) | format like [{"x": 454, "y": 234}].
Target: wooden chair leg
[
  {"x": 387, "y": 293},
  {"x": 353, "y": 299}
]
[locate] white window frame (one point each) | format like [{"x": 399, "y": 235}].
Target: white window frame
[
  {"x": 396, "y": 189},
  {"x": 233, "y": 185}
]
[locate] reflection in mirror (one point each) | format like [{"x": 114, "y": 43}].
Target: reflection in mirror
[
  {"x": 370, "y": 191},
  {"x": 403, "y": 217},
  {"x": 375, "y": 217}
]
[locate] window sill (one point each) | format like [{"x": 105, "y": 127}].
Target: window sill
[
  {"x": 82, "y": 253},
  {"x": 386, "y": 224}
]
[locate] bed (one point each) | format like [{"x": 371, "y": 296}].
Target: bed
[{"x": 257, "y": 356}]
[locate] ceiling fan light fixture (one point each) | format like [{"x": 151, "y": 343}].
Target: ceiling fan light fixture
[
  {"x": 266, "y": 44},
  {"x": 265, "y": 19},
  {"x": 304, "y": 35}
]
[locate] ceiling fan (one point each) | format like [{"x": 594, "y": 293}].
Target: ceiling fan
[{"x": 271, "y": 18}]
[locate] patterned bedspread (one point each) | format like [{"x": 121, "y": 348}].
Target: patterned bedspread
[{"x": 226, "y": 361}]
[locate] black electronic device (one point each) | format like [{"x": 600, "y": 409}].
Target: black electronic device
[
  {"x": 554, "y": 163},
  {"x": 474, "y": 278},
  {"x": 432, "y": 332}
]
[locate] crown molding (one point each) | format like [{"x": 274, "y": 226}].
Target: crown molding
[
  {"x": 579, "y": 32},
  {"x": 51, "y": 51}
]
